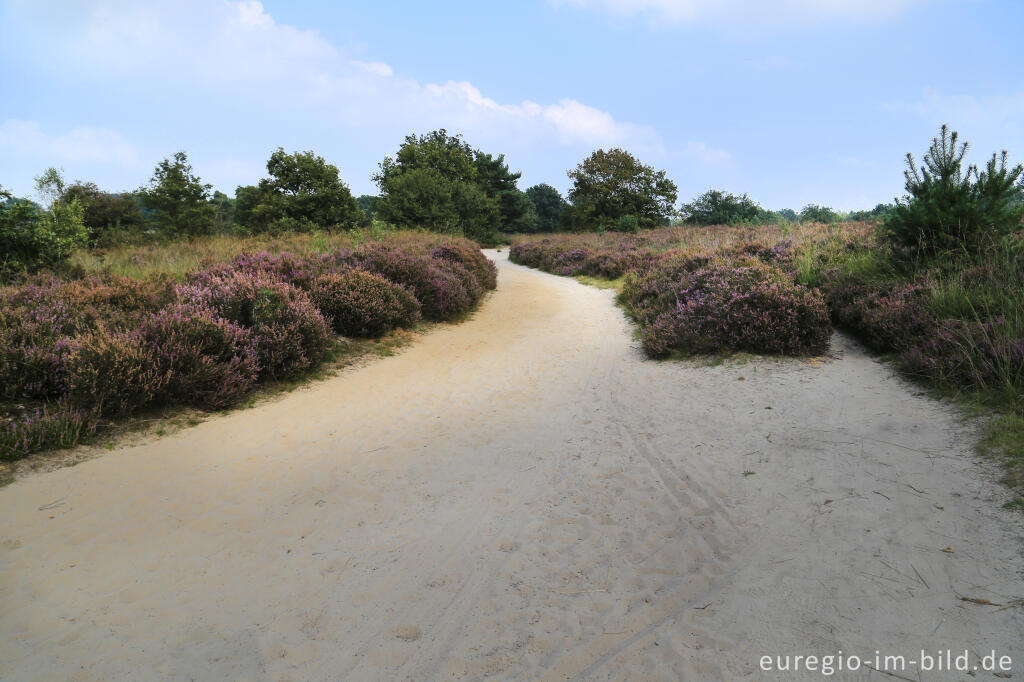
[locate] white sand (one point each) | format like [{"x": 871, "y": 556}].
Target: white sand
[{"x": 522, "y": 495}]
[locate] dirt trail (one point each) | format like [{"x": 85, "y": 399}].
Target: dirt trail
[{"x": 524, "y": 496}]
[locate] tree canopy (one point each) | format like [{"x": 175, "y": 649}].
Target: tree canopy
[
  {"x": 717, "y": 207},
  {"x": 549, "y": 206},
  {"x": 178, "y": 199},
  {"x": 438, "y": 182},
  {"x": 303, "y": 191},
  {"x": 613, "y": 188}
]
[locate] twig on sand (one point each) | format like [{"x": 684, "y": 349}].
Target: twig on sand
[
  {"x": 882, "y": 494},
  {"x": 923, "y": 582},
  {"x": 916, "y": 490}
]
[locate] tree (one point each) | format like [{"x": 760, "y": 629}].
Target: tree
[
  {"x": 950, "y": 211},
  {"x": 433, "y": 182},
  {"x": 246, "y": 198},
  {"x": 109, "y": 217},
  {"x": 515, "y": 211},
  {"x": 33, "y": 237},
  {"x": 549, "y": 206},
  {"x": 303, "y": 191},
  {"x": 716, "y": 207},
  {"x": 609, "y": 185},
  {"x": 368, "y": 205},
  {"x": 813, "y": 213},
  {"x": 179, "y": 201}
]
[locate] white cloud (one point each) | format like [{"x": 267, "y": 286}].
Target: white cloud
[
  {"x": 748, "y": 11},
  {"x": 81, "y": 145},
  {"x": 237, "y": 49}
]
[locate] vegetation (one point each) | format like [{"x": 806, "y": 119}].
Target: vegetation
[
  {"x": 77, "y": 352},
  {"x": 438, "y": 182},
  {"x": 178, "y": 200},
  {"x": 303, "y": 193},
  {"x": 952, "y": 212},
  {"x": 613, "y": 190},
  {"x": 549, "y": 206},
  {"x": 716, "y": 207}
]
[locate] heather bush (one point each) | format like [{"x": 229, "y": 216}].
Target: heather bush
[
  {"x": 209, "y": 361},
  {"x": 738, "y": 306},
  {"x": 60, "y": 425},
  {"x": 289, "y": 332},
  {"x": 360, "y": 303},
  {"x": 441, "y": 292},
  {"x": 113, "y": 372},
  {"x": 885, "y": 315}
]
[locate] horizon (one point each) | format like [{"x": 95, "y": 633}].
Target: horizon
[{"x": 800, "y": 103}]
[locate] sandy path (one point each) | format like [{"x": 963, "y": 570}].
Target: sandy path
[{"x": 523, "y": 496}]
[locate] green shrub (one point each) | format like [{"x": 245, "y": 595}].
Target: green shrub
[{"x": 950, "y": 211}]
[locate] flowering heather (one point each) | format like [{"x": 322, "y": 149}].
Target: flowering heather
[
  {"x": 73, "y": 349},
  {"x": 290, "y": 334},
  {"x": 210, "y": 362},
  {"x": 115, "y": 373},
  {"x": 360, "y": 303},
  {"x": 60, "y": 425},
  {"x": 436, "y": 283},
  {"x": 885, "y": 315},
  {"x": 734, "y": 306}
]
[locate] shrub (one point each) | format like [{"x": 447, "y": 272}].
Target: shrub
[
  {"x": 950, "y": 211},
  {"x": 114, "y": 373},
  {"x": 360, "y": 303},
  {"x": 289, "y": 332},
  {"x": 885, "y": 315},
  {"x": 442, "y": 293},
  {"x": 470, "y": 257},
  {"x": 32, "y": 238},
  {"x": 745, "y": 306},
  {"x": 210, "y": 362},
  {"x": 57, "y": 426}
]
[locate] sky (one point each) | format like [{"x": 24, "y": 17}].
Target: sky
[{"x": 790, "y": 101}]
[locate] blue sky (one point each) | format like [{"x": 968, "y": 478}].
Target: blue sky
[{"x": 791, "y": 101}]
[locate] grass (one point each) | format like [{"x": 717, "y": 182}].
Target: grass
[
  {"x": 177, "y": 258},
  {"x": 601, "y": 283}
]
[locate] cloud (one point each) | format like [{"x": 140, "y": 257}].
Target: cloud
[
  {"x": 76, "y": 146},
  {"x": 238, "y": 50},
  {"x": 748, "y": 11}
]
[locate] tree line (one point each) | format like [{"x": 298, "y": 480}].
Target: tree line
[{"x": 435, "y": 181}]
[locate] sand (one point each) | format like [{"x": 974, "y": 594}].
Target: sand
[{"x": 522, "y": 496}]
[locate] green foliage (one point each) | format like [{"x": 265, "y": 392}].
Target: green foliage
[
  {"x": 950, "y": 211},
  {"x": 368, "y": 205},
  {"x": 110, "y": 218},
  {"x": 32, "y": 238},
  {"x": 303, "y": 192},
  {"x": 435, "y": 182},
  {"x": 179, "y": 202},
  {"x": 611, "y": 184},
  {"x": 880, "y": 211},
  {"x": 813, "y": 213},
  {"x": 548, "y": 205},
  {"x": 515, "y": 211},
  {"x": 716, "y": 207},
  {"x": 788, "y": 214}
]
